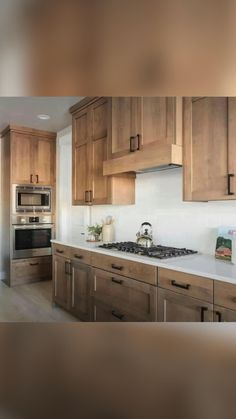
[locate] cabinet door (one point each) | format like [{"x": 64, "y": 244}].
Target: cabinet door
[
  {"x": 209, "y": 144},
  {"x": 222, "y": 314},
  {"x": 131, "y": 297},
  {"x": 61, "y": 281},
  {"x": 81, "y": 169},
  {"x": 173, "y": 307},
  {"x": 80, "y": 290},
  {"x": 156, "y": 117},
  {"x": 45, "y": 161},
  {"x": 123, "y": 125},
  {"x": 22, "y": 158}
]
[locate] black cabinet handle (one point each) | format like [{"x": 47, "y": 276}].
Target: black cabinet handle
[
  {"x": 117, "y": 281},
  {"x": 183, "y": 286},
  {"x": 37, "y": 178},
  {"x": 59, "y": 251},
  {"x": 78, "y": 256},
  {"x": 203, "y": 310},
  {"x": 86, "y": 196},
  {"x": 31, "y": 178},
  {"x": 230, "y": 175},
  {"x": 117, "y": 315},
  {"x": 90, "y": 196},
  {"x": 134, "y": 143},
  {"x": 34, "y": 264},
  {"x": 118, "y": 268},
  {"x": 219, "y": 315},
  {"x": 131, "y": 144}
]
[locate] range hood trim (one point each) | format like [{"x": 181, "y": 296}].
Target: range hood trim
[{"x": 156, "y": 157}]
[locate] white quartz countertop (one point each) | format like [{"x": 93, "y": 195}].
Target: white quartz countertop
[{"x": 197, "y": 264}]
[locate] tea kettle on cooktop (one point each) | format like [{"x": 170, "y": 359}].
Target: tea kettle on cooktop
[{"x": 144, "y": 235}]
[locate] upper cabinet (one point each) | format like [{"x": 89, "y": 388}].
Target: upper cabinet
[
  {"x": 32, "y": 155},
  {"x": 209, "y": 148},
  {"x": 146, "y": 133},
  {"x": 91, "y": 126}
]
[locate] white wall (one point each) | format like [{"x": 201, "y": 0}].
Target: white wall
[
  {"x": 71, "y": 220},
  {"x": 158, "y": 200}
]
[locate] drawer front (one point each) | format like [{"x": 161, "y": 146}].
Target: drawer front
[
  {"x": 61, "y": 250},
  {"x": 24, "y": 271},
  {"x": 80, "y": 255},
  {"x": 225, "y": 294},
  {"x": 126, "y": 294},
  {"x": 101, "y": 312},
  {"x": 192, "y": 285},
  {"x": 136, "y": 270}
]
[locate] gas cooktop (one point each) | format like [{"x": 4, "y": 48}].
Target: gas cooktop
[{"x": 159, "y": 252}]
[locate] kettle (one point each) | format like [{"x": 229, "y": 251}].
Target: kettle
[{"x": 144, "y": 235}]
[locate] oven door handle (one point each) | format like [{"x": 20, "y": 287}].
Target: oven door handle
[{"x": 33, "y": 227}]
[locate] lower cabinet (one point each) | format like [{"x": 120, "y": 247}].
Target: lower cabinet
[
  {"x": 80, "y": 290},
  {"x": 61, "y": 281},
  {"x": 174, "y": 307},
  {"x": 24, "y": 271},
  {"x": 222, "y": 314},
  {"x": 71, "y": 286},
  {"x": 118, "y": 298}
]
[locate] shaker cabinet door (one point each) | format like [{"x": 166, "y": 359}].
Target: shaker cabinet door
[
  {"x": 209, "y": 147},
  {"x": 80, "y": 290},
  {"x": 45, "y": 161},
  {"x": 173, "y": 307},
  {"x": 22, "y": 159},
  {"x": 61, "y": 281}
]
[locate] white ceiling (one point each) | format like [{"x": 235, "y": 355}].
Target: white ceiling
[{"x": 24, "y": 110}]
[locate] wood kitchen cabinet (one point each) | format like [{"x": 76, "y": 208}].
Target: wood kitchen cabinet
[
  {"x": 175, "y": 307},
  {"x": 138, "y": 122},
  {"x": 209, "y": 148},
  {"x": 91, "y": 129},
  {"x": 32, "y": 155},
  {"x": 125, "y": 298},
  {"x": 80, "y": 290},
  {"x": 222, "y": 314},
  {"x": 62, "y": 281}
]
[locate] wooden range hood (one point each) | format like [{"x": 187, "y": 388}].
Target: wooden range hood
[
  {"x": 157, "y": 146},
  {"x": 155, "y": 157}
]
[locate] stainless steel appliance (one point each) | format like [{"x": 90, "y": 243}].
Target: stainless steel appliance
[
  {"x": 144, "y": 235},
  {"x": 159, "y": 252},
  {"x": 31, "y": 236},
  {"x": 28, "y": 198}
]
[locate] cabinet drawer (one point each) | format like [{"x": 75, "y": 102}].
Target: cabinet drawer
[
  {"x": 102, "y": 312},
  {"x": 225, "y": 294},
  {"x": 80, "y": 255},
  {"x": 125, "y": 294},
  {"x": 136, "y": 270},
  {"x": 31, "y": 270},
  {"x": 192, "y": 285},
  {"x": 61, "y": 250}
]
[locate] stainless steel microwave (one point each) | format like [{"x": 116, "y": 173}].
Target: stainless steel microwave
[{"x": 28, "y": 198}]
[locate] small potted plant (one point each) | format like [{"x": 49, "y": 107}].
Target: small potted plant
[{"x": 94, "y": 233}]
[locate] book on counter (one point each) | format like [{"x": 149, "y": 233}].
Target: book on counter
[{"x": 226, "y": 244}]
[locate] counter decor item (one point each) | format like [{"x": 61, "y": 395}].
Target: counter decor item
[
  {"x": 225, "y": 244},
  {"x": 94, "y": 233},
  {"x": 144, "y": 235},
  {"x": 108, "y": 231}
]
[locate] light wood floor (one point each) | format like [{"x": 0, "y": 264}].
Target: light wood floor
[{"x": 30, "y": 303}]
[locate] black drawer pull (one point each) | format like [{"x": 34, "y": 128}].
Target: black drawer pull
[
  {"x": 117, "y": 315},
  {"x": 78, "y": 256},
  {"x": 119, "y": 268},
  {"x": 230, "y": 175},
  {"x": 59, "y": 251},
  {"x": 203, "y": 310},
  {"x": 219, "y": 315},
  {"x": 183, "y": 286},
  {"x": 117, "y": 281},
  {"x": 34, "y": 264}
]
